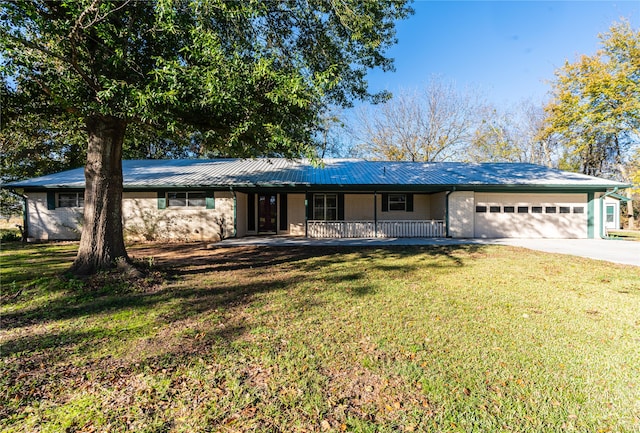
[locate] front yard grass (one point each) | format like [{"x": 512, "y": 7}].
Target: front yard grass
[
  {"x": 434, "y": 339},
  {"x": 627, "y": 235}
]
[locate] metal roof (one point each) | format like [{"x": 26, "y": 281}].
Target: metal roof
[{"x": 335, "y": 173}]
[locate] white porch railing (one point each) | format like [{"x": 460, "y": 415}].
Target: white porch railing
[{"x": 367, "y": 229}]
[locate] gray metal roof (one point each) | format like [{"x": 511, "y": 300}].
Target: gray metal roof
[{"x": 337, "y": 173}]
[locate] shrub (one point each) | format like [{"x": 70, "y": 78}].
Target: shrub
[{"x": 10, "y": 235}]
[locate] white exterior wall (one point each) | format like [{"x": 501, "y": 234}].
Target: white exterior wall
[
  {"x": 358, "y": 207},
  {"x": 144, "y": 221},
  {"x": 296, "y": 214},
  {"x": 62, "y": 223},
  {"x": 461, "y": 210},
  {"x": 531, "y": 225},
  {"x": 438, "y": 205},
  {"x": 241, "y": 214}
]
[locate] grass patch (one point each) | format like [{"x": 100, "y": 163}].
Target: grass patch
[
  {"x": 628, "y": 235},
  {"x": 460, "y": 339}
]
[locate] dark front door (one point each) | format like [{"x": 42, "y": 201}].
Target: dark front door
[{"x": 267, "y": 213}]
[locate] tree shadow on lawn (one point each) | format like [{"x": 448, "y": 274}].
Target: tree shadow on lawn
[
  {"x": 184, "y": 261},
  {"x": 252, "y": 271},
  {"x": 200, "y": 259}
]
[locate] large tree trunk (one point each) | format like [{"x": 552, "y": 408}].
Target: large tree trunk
[{"x": 102, "y": 241}]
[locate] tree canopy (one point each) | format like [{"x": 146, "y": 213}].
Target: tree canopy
[
  {"x": 595, "y": 111},
  {"x": 250, "y": 77},
  {"x": 238, "y": 78},
  {"x": 431, "y": 124},
  {"x": 512, "y": 136}
]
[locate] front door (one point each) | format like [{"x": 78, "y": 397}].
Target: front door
[
  {"x": 612, "y": 213},
  {"x": 267, "y": 213}
]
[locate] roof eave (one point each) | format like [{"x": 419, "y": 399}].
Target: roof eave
[{"x": 343, "y": 187}]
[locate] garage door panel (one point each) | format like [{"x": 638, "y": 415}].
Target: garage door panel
[{"x": 542, "y": 219}]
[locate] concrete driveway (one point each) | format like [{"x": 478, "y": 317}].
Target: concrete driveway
[
  {"x": 610, "y": 250},
  {"x": 616, "y": 251}
]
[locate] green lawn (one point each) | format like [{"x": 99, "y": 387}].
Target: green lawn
[
  {"x": 455, "y": 339},
  {"x": 628, "y": 235}
]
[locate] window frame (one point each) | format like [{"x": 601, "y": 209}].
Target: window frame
[
  {"x": 323, "y": 209},
  {"x": 76, "y": 202},
  {"x": 187, "y": 200},
  {"x": 395, "y": 199}
]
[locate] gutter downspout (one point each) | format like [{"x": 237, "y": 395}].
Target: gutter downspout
[
  {"x": 602, "y": 212},
  {"x": 235, "y": 212}
]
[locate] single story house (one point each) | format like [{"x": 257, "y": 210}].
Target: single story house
[{"x": 219, "y": 198}]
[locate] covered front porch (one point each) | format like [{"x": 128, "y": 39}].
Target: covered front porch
[{"x": 337, "y": 214}]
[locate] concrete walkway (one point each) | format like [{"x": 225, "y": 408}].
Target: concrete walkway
[{"x": 616, "y": 251}]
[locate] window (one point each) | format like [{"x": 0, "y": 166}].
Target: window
[
  {"x": 565, "y": 209},
  {"x": 536, "y": 209},
  {"x": 610, "y": 213},
  {"x": 325, "y": 207},
  {"x": 523, "y": 209},
  {"x": 509, "y": 209},
  {"x": 176, "y": 199},
  {"x": 198, "y": 199},
  {"x": 494, "y": 209},
  {"x": 398, "y": 202},
  {"x": 71, "y": 199},
  {"x": 550, "y": 209},
  {"x": 190, "y": 199},
  {"x": 481, "y": 209},
  {"x": 578, "y": 209}
]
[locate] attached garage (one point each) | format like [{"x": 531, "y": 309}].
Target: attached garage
[{"x": 534, "y": 215}]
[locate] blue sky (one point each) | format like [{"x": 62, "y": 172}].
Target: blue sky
[{"x": 508, "y": 50}]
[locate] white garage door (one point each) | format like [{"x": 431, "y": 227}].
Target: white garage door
[{"x": 530, "y": 215}]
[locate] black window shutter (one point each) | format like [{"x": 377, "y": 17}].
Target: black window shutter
[
  {"x": 340, "y": 207},
  {"x": 51, "y": 200},
  {"x": 385, "y": 202},
  {"x": 409, "y": 202},
  {"x": 210, "y": 200},
  {"x": 162, "y": 200},
  {"x": 251, "y": 212},
  {"x": 283, "y": 212}
]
